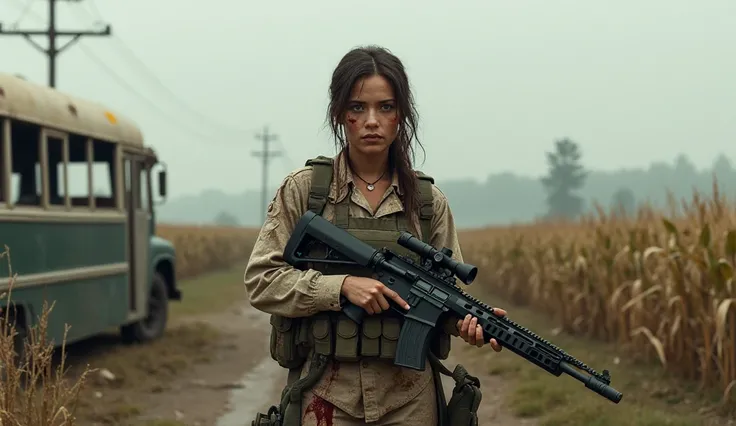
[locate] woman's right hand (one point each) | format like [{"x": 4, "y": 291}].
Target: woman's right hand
[{"x": 370, "y": 294}]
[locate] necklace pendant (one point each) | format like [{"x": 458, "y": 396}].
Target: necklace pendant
[{"x": 371, "y": 187}]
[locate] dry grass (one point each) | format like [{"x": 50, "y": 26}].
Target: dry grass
[
  {"x": 658, "y": 286},
  {"x": 34, "y": 390},
  {"x": 134, "y": 372},
  {"x": 651, "y": 396},
  {"x": 201, "y": 249},
  {"x": 211, "y": 292}
]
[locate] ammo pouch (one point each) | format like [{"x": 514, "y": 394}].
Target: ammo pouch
[
  {"x": 289, "y": 344},
  {"x": 462, "y": 410}
]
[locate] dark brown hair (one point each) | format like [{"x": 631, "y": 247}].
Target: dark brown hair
[{"x": 363, "y": 62}]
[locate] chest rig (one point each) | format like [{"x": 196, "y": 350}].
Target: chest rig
[{"x": 333, "y": 334}]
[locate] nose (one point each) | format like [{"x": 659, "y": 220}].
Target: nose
[{"x": 372, "y": 120}]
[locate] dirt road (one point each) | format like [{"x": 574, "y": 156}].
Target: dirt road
[
  {"x": 492, "y": 410},
  {"x": 242, "y": 379}
]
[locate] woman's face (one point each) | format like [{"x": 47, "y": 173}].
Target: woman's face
[{"x": 371, "y": 118}]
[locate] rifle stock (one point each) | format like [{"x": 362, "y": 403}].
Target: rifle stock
[{"x": 430, "y": 289}]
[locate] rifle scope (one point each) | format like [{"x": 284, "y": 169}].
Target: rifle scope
[{"x": 465, "y": 271}]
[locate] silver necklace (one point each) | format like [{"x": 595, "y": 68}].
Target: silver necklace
[{"x": 370, "y": 185}]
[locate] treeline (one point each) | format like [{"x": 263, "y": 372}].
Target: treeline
[{"x": 567, "y": 189}]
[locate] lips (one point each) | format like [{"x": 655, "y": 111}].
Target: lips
[{"x": 372, "y": 137}]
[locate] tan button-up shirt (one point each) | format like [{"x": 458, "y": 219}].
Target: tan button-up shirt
[{"x": 369, "y": 388}]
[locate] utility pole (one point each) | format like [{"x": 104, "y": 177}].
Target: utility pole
[
  {"x": 265, "y": 155},
  {"x": 52, "y": 52}
]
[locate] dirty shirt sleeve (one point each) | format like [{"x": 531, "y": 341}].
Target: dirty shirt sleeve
[
  {"x": 274, "y": 286},
  {"x": 444, "y": 234}
]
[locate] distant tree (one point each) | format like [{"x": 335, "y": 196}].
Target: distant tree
[
  {"x": 684, "y": 166},
  {"x": 226, "y": 219},
  {"x": 722, "y": 168},
  {"x": 624, "y": 201},
  {"x": 566, "y": 175}
]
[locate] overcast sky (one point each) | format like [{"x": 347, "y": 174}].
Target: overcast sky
[{"x": 496, "y": 81}]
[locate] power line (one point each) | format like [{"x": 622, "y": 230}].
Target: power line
[
  {"x": 93, "y": 12},
  {"x": 188, "y": 127},
  {"x": 124, "y": 84},
  {"x": 265, "y": 155},
  {"x": 51, "y": 33}
]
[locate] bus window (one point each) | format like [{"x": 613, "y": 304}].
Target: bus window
[
  {"x": 144, "y": 204},
  {"x": 26, "y": 169},
  {"x": 103, "y": 174},
  {"x": 78, "y": 171},
  {"x": 56, "y": 170}
]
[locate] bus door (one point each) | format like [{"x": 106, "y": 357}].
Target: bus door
[{"x": 138, "y": 219}]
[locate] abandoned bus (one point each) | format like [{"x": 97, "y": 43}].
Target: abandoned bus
[{"x": 76, "y": 212}]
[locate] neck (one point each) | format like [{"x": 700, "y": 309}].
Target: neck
[{"x": 368, "y": 167}]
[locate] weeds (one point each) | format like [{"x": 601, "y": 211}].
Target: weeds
[{"x": 33, "y": 389}]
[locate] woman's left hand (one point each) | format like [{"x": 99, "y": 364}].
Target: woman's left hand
[{"x": 472, "y": 333}]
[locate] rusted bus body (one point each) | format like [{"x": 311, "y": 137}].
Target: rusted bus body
[{"x": 77, "y": 213}]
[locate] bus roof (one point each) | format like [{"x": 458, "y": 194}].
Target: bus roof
[{"x": 43, "y": 105}]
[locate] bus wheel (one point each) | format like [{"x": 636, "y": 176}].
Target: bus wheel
[{"x": 152, "y": 326}]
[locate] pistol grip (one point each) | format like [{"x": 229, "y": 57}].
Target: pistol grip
[{"x": 354, "y": 312}]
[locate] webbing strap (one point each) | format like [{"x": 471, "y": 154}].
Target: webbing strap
[
  {"x": 291, "y": 398},
  {"x": 321, "y": 180},
  {"x": 460, "y": 375},
  {"x": 426, "y": 207}
]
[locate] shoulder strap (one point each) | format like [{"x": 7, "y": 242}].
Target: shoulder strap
[
  {"x": 321, "y": 180},
  {"x": 426, "y": 208}
]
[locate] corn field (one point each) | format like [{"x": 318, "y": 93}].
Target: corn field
[
  {"x": 202, "y": 249},
  {"x": 659, "y": 284}
]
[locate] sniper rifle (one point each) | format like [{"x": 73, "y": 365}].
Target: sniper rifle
[{"x": 430, "y": 290}]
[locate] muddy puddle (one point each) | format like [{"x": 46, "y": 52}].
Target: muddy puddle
[{"x": 260, "y": 387}]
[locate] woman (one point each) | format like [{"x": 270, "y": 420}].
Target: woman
[{"x": 370, "y": 188}]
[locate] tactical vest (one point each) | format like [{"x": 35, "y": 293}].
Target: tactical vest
[{"x": 333, "y": 335}]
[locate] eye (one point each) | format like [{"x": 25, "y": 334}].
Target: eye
[
  {"x": 387, "y": 107},
  {"x": 356, "y": 108}
]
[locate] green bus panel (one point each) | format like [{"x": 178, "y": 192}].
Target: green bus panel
[
  {"x": 37, "y": 247},
  {"x": 88, "y": 306}
]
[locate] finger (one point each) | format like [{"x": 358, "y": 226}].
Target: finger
[
  {"x": 368, "y": 308},
  {"x": 496, "y": 347},
  {"x": 479, "y": 336},
  {"x": 464, "y": 327},
  {"x": 382, "y": 302},
  {"x": 376, "y": 307},
  {"x": 395, "y": 297},
  {"x": 460, "y": 330},
  {"x": 499, "y": 312},
  {"x": 471, "y": 330}
]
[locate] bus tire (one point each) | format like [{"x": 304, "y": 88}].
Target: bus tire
[{"x": 152, "y": 326}]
